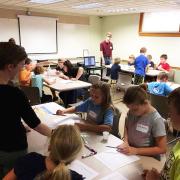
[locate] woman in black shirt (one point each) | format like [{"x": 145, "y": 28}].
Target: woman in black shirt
[{"x": 14, "y": 107}]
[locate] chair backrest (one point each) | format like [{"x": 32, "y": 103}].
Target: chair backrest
[
  {"x": 32, "y": 94},
  {"x": 171, "y": 75},
  {"x": 160, "y": 103},
  {"x": 115, "y": 127},
  {"x": 94, "y": 79},
  {"x": 124, "y": 78}
]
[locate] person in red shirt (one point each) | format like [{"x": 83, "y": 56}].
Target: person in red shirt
[
  {"x": 106, "y": 48},
  {"x": 163, "y": 65}
]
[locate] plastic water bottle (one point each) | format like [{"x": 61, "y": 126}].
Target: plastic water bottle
[{"x": 48, "y": 70}]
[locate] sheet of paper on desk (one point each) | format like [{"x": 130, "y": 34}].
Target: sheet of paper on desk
[
  {"x": 114, "y": 160},
  {"x": 114, "y": 176},
  {"x": 51, "y": 107},
  {"x": 63, "y": 81},
  {"x": 53, "y": 121},
  {"x": 83, "y": 169}
]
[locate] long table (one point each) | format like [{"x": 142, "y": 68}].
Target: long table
[
  {"x": 39, "y": 143},
  {"x": 131, "y": 69},
  {"x": 65, "y": 85}
]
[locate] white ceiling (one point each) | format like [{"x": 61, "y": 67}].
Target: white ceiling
[{"x": 108, "y": 7}]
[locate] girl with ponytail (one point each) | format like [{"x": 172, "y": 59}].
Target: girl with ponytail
[{"x": 65, "y": 144}]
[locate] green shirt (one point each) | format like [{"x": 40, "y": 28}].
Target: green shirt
[{"x": 171, "y": 170}]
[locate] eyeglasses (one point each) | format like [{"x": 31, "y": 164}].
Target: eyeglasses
[{"x": 92, "y": 151}]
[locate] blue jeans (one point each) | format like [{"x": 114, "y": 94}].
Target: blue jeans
[{"x": 107, "y": 60}]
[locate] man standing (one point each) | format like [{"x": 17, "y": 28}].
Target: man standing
[{"x": 106, "y": 48}]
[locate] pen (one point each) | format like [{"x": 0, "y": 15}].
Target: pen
[
  {"x": 90, "y": 149},
  {"x": 111, "y": 146}
]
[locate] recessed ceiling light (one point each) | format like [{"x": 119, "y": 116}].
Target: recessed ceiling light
[
  {"x": 120, "y": 10},
  {"x": 88, "y": 6},
  {"x": 45, "y": 1}
]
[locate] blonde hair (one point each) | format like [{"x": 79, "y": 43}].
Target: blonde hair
[
  {"x": 65, "y": 144},
  {"x": 117, "y": 60},
  {"x": 132, "y": 57},
  {"x": 149, "y": 57}
]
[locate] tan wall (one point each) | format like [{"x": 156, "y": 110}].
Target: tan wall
[{"x": 68, "y": 19}]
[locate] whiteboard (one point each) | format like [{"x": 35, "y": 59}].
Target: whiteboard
[
  {"x": 38, "y": 35},
  {"x": 9, "y": 29},
  {"x": 162, "y": 22}
]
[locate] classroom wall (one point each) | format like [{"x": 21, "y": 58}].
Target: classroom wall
[
  {"x": 127, "y": 41},
  {"x": 75, "y": 33}
]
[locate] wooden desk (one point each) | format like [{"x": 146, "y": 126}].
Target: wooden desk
[{"x": 39, "y": 143}]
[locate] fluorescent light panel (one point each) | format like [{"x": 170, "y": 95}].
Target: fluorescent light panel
[
  {"x": 87, "y": 6},
  {"x": 45, "y": 1}
]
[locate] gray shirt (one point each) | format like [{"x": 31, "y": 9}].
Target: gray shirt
[{"x": 142, "y": 130}]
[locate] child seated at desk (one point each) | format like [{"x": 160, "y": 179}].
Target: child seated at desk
[
  {"x": 151, "y": 63},
  {"x": 99, "y": 109},
  {"x": 131, "y": 60},
  {"x": 160, "y": 87},
  {"x": 115, "y": 69},
  {"x": 163, "y": 65},
  {"x": 25, "y": 73},
  {"x": 64, "y": 146},
  {"x": 144, "y": 132},
  {"x": 171, "y": 168},
  {"x": 37, "y": 81}
]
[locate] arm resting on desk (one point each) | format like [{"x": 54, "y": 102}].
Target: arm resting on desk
[
  {"x": 93, "y": 128},
  {"x": 79, "y": 73},
  {"x": 159, "y": 148},
  {"x": 43, "y": 129},
  {"x": 64, "y": 111}
]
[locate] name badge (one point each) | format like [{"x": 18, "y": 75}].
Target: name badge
[
  {"x": 92, "y": 114},
  {"x": 142, "y": 128}
]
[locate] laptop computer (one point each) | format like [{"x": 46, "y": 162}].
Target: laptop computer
[{"x": 89, "y": 61}]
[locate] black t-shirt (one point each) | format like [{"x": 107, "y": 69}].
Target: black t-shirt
[
  {"x": 14, "y": 106},
  {"x": 72, "y": 73},
  {"x": 29, "y": 166}
]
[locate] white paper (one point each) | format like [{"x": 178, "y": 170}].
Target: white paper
[
  {"x": 63, "y": 81},
  {"x": 46, "y": 113},
  {"x": 114, "y": 176},
  {"x": 114, "y": 160},
  {"x": 87, "y": 172}
]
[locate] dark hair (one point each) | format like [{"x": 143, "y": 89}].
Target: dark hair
[
  {"x": 12, "y": 40},
  {"x": 143, "y": 50},
  {"x": 106, "y": 96},
  {"x": 28, "y": 61},
  {"x": 68, "y": 64},
  {"x": 162, "y": 76},
  {"x": 164, "y": 56},
  {"x": 144, "y": 86},
  {"x": 174, "y": 98},
  {"x": 11, "y": 54},
  {"x": 135, "y": 95}
]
